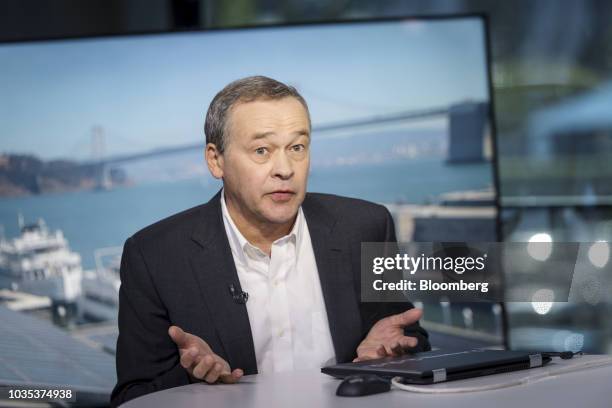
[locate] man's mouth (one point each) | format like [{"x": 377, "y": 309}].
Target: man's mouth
[{"x": 281, "y": 196}]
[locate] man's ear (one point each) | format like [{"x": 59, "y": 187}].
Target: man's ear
[{"x": 214, "y": 160}]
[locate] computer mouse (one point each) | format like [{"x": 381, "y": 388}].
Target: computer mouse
[{"x": 362, "y": 384}]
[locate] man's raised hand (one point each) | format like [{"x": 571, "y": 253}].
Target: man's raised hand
[
  {"x": 386, "y": 337},
  {"x": 200, "y": 361}
]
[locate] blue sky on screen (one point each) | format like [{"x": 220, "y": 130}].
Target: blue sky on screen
[{"x": 151, "y": 91}]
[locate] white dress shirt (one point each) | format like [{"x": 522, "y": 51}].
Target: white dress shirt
[{"x": 285, "y": 305}]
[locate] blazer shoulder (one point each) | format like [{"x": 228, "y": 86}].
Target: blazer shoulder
[
  {"x": 340, "y": 207},
  {"x": 341, "y": 204}
]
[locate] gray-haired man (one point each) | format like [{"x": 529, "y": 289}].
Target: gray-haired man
[{"x": 184, "y": 312}]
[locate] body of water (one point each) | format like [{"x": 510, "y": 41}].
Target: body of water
[{"x": 92, "y": 220}]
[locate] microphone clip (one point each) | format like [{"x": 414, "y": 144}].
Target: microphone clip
[{"x": 239, "y": 297}]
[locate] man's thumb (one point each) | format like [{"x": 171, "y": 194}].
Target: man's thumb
[
  {"x": 178, "y": 336},
  {"x": 406, "y": 318}
]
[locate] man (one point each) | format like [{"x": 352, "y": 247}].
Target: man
[{"x": 262, "y": 278}]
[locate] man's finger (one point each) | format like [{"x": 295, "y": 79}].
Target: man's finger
[
  {"x": 213, "y": 374},
  {"x": 231, "y": 378},
  {"x": 201, "y": 370},
  {"x": 406, "y": 318},
  {"x": 178, "y": 336},
  {"x": 371, "y": 353},
  {"x": 363, "y": 357},
  {"x": 189, "y": 357},
  {"x": 408, "y": 342}
]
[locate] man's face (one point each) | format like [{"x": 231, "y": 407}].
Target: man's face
[{"x": 266, "y": 160}]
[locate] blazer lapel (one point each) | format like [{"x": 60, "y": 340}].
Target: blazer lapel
[
  {"x": 214, "y": 269},
  {"x": 333, "y": 264}
]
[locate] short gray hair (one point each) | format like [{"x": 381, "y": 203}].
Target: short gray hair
[{"x": 242, "y": 90}]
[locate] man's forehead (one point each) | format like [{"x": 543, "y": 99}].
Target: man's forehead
[
  {"x": 264, "y": 135},
  {"x": 289, "y": 104},
  {"x": 263, "y": 118}
]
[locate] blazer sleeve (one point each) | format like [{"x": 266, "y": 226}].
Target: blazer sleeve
[
  {"x": 379, "y": 310},
  {"x": 147, "y": 359}
]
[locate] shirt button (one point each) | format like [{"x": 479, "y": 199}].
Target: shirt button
[
  {"x": 275, "y": 282},
  {"x": 281, "y": 333}
]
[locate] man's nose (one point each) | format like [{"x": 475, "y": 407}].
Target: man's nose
[{"x": 283, "y": 166}]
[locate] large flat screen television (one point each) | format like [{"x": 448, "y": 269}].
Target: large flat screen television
[{"x": 103, "y": 136}]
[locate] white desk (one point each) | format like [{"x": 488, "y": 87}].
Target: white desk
[{"x": 591, "y": 387}]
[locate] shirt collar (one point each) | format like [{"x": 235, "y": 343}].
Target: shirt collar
[{"x": 240, "y": 245}]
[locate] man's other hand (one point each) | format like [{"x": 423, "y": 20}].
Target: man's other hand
[
  {"x": 386, "y": 337},
  {"x": 200, "y": 361}
]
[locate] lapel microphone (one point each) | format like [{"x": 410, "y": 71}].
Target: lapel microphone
[{"x": 239, "y": 298}]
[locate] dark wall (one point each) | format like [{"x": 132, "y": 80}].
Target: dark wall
[{"x": 39, "y": 19}]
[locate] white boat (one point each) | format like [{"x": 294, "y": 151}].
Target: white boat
[
  {"x": 100, "y": 298},
  {"x": 40, "y": 262}
]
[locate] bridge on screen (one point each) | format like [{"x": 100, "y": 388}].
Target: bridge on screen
[{"x": 468, "y": 123}]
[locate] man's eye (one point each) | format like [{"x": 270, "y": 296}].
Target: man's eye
[
  {"x": 261, "y": 151},
  {"x": 298, "y": 148}
]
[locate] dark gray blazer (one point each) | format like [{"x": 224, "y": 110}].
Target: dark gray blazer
[{"x": 177, "y": 272}]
